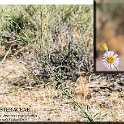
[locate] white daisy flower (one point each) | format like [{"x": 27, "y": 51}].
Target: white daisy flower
[{"x": 110, "y": 60}]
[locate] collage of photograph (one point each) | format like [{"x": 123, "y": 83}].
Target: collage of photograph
[{"x": 62, "y": 61}]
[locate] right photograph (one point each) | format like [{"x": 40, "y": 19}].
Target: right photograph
[{"x": 109, "y": 35}]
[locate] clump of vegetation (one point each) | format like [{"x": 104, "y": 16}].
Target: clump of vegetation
[{"x": 66, "y": 63}]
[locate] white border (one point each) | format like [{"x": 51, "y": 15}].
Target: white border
[{"x": 3, "y": 2}]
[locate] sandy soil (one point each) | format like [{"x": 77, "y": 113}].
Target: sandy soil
[{"x": 103, "y": 98}]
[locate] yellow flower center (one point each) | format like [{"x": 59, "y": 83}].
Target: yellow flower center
[{"x": 110, "y": 59}]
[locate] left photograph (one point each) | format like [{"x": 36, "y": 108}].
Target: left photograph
[{"x": 46, "y": 52}]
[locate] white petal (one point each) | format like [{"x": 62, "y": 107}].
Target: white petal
[
  {"x": 104, "y": 57},
  {"x": 108, "y": 66},
  {"x": 111, "y": 53},
  {"x": 105, "y": 64},
  {"x": 116, "y": 55},
  {"x": 103, "y": 60},
  {"x": 116, "y": 60},
  {"x": 115, "y": 64},
  {"x": 112, "y": 66},
  {"x": 105, "y": 54}
]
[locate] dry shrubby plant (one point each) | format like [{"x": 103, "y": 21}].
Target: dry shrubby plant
[
  {"x": 66, "y": 48},
  {"x": 66, "y": 62}
]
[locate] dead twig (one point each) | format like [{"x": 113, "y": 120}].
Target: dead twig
[
  {"x": 6, "y": 55},
  {"x": 6, "y": 76}
]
